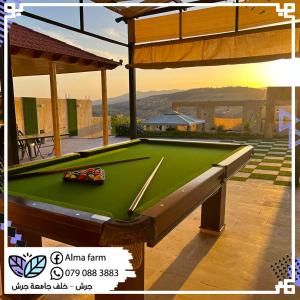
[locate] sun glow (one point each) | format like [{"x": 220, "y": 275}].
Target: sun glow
[{"x": 284, "y": 72}]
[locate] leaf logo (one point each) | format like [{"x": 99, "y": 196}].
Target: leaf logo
[
  {"x": 17, "y": 264},
  {"x": 34, "y": 267}
]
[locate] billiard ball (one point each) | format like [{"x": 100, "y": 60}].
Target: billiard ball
[
  {"x": 67, "y": 175},
  {"x": 98, "y": 177},
  {"x": 91, "y": 177},
  {"x": 82, "y": 177}
]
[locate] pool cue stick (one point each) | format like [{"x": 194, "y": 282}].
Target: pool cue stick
[
  {"x": 140, "y": 194},
  {"x": 38, "y": 173}
]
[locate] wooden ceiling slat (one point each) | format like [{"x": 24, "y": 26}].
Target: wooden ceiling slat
[
  {"x": 117, "y": 9},
  {"x": 130, "y": 12},
  {"x": 135, "y": 11},
  {"x": 31, "y": 52}
]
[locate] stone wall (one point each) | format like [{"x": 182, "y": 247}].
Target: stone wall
[{"x": 88, "y": 126}]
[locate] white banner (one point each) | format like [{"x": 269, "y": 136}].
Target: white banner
[{"x": 66, "y": 270}]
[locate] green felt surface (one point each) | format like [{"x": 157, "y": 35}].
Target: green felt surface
[{"x": 123, "y": 181}]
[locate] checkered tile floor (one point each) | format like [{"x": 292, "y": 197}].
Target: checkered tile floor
[{"x": 271, "y": 161}]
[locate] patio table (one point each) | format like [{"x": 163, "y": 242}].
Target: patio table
[{"x": 39, "y": 141}]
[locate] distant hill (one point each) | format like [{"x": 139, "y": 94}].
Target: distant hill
[
  {"x": 160, "y": 103},
  {"x": 139, "y": 95}
]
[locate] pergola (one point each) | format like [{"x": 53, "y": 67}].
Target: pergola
[
  {"x": 183, "y": 36},
  {"x": 33, "y": 53}
]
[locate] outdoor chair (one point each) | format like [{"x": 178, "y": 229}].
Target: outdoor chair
[{"x": 26, "y": 147}]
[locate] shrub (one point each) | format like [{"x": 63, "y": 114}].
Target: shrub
[
  {"x": 170, "y": 129},
  {"x": 121, "y": 124},
  {"x": 220, "y": 129},
  {"x": 247, "y": 127}
]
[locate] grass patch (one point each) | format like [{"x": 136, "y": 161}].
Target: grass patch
[
  {"x": 263, "y": 176},
  {"x": 260, "y": 150},
  {"x": 276, "y": 155},
  {"x": 279, "y": 149},
  {"x": 287, "y": 165},
  {"x": 284, "y": 183},
  {"x": 270, "y": 160},
  {"x": 253, "y": 163},
  {"x": 262, "y": 146},
  {"x": 236, "y": 178},
  {"x": 258, "y": 156},
  {"x": 288, "y": 158},
  {"x": 285, "y": 173},
  {"x": 268, "y": 168},
  {"x": 246, "y": 170}
]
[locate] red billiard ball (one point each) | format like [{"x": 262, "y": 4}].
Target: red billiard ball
[{"x": 82, "y": 177}]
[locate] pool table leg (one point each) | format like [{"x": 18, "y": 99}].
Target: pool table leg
[
  {"x": 32, "y": 241},
  {"x": 131, "y": 284},
  {"x": 213, "y": 212}
]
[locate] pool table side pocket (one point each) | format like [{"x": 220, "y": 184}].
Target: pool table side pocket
[{"x": 103, "y": 149}]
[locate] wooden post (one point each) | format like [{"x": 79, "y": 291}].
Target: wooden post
[
  {"x": 270, "y": 114},
  {"x": 13, "y": 155},
  {"x": 297, "y": 150},
  {"x": 104, "y": 107},
  {"x": 132, "y": 80},
  {"x": 54, "y": 106}
]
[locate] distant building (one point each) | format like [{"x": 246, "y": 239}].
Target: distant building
[{"x": 174, "y": 121}]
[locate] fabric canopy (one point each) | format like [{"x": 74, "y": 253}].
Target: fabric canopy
[
  {"x": 231, "y": 48},
  {"x": 207, "y": 21}
]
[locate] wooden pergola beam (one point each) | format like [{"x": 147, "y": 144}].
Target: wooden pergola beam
[
  {"x": 131, "y": 12},
  {"x": 13, "y": 156},
  {"x": 14, "y": 50},
  {"x": 54, "y": 106},
  {"x": 73, "y": 60},
  {"x": 37, "y": 54},
  {"x": 55, "y": 23},
  {"x": 57, "y": 57},
  {"x": 104, "y": 107},
  {"x": 87, "y": 62},
  {"x": 162, "y": 10}
]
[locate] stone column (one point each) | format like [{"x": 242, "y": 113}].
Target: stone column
[
  {"x": 175, "y": 107},
  {"x": 245, "y": 116},
  {"x": 199, "y": 112},
  {"x": 257, "y": 113},
  {"x": 209, "y": 116},
  {"x": 270, "y": 116},
  {"x": 252, "y": 114}
]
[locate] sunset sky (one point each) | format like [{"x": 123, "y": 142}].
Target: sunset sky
[{"x": 102, "y": 21}]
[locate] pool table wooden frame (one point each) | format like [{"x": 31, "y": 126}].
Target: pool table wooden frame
[{"x": 80, "y": 228}]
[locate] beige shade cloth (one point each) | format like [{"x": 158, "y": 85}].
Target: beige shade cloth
[
  {"x": 234, "y": 48},
  {"x": 207, "y": 21},
  {"x": 250, "y": 17}
]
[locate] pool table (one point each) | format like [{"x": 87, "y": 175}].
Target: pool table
[{"x": 193, "y": 173}]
